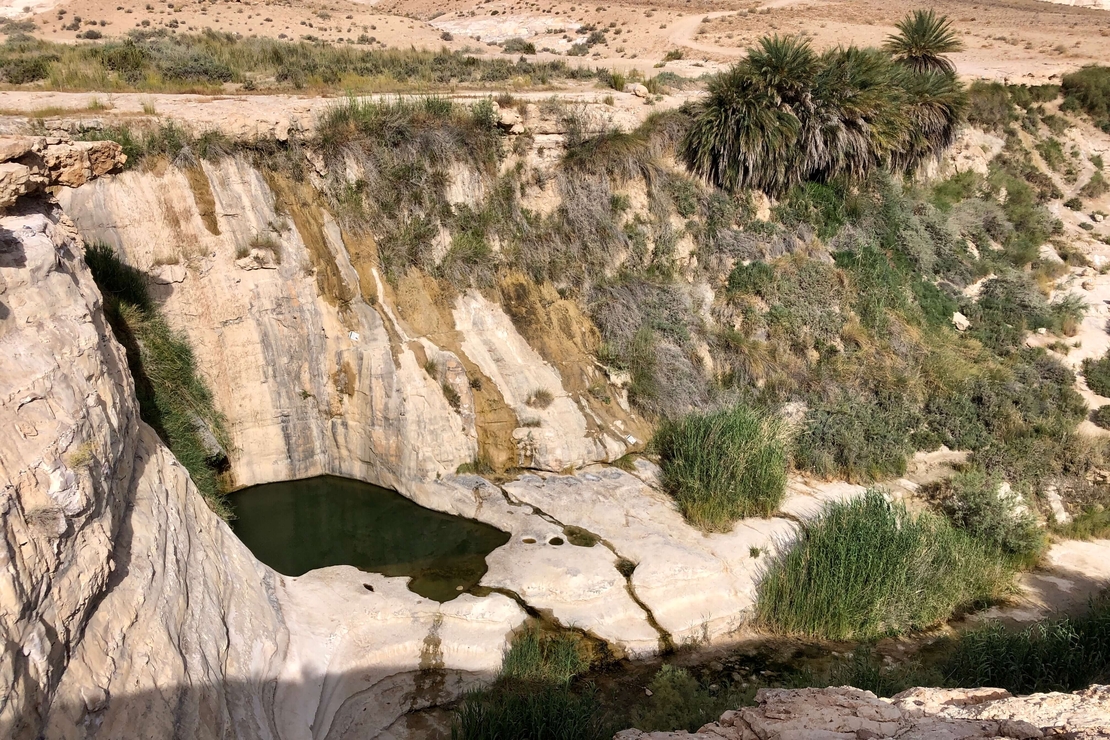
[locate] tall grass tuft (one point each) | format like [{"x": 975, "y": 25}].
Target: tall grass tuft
[
  {"x": 1060, "y": 655},
  {"x": 173, "y": 399},
  {"x": 551, "y": 713},
  {"x": 868, "y": 568},
  {"x": 539, "y": 657},
  {"x": 724, "y": 465},
  {"x": 532, "y": 697}
]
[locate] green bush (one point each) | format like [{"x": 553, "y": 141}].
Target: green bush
[
  {"x": 1101, "y": 416},
  {"x": 989, "y": 106},
  {"x": 858, "y": 439},
  {"x": 756, "y": 278},
  {"x": 547, "y": 713},
  {"x": 679, "y": 702},
  {"x": 976, "y": 504},
  {"x": 867, "y": 568},
  {"x": 518, "y": 46},
  {"x": 723, "y": 465},
  {"x": 1097, "y": 374},
  {"x": 1096, "y": 187},
  {"x": 1088, "y": 89},
  {"x": 173, "y": 398},
  {"x": 1060, "y": 655}
]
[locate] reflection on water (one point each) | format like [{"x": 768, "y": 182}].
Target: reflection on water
[{"x": 297, "y": 526}]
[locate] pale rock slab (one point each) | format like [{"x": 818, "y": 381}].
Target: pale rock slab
[
  {"x": 698, "y": 587},
  {"x": 845, "y": 713}
]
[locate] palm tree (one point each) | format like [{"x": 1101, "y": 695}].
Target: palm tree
[
  {"x": 745, "y": 133},
  {"x": 923, "y": 38}
]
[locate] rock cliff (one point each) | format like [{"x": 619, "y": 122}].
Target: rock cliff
[{"x": 127, "y": 608}]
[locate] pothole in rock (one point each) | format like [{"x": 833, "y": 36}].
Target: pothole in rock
[{"x": 298, "y": 526}]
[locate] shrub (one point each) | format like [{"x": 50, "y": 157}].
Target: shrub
[
  {"x": 856, "y": 438},
  {"x": 540, "y": 398},
  {"x": 1059, "y": 655},
  {"x": 547, "y": 713},
  {"x": 980, "y": 505},
  {"x": 1096, "y": 187},
  {"x": 673, "y": 55},
  {"x": 867, "y": 568},
  {"x": 1088, "y": 89},
  {"x": 1101, "y": 416},
  {"x": 679, "y": 702},
  {"x": 1097, "y": 374},
  {"x": 518, "y": 46},
  {"x": 989, "y": 106},
  {"x": 756, "y": 278},
  {"x": 723, "y": 465}
]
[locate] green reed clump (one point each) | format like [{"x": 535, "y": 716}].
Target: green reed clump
[
  {"x": 867, "y": 568},
  {"x": 543, "y": 657},
  {"x": 1054, "y": 655},
  {"x": 173, "y": 398},
  {"x": 723, "y": 465},
  {"x": 533, "y": 697}
]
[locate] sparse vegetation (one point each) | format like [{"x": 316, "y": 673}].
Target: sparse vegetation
[
  {"x": 161, "y": 61},
  {"x": 723, "y": 465},
  {"x": 868, "y": 568},
  {"x": 540, "y": 398}
]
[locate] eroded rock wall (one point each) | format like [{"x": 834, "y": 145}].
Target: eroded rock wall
[
  {"x": 127, "y": 608},
  {"x": 304, "y": 346}
]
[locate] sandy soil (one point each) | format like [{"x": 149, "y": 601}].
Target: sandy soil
[{"x": 1019, "y": 40}]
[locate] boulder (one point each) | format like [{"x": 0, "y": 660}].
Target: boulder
[
  {"x": 961, "y": 322},
  {"x": 640, "y": 91}
]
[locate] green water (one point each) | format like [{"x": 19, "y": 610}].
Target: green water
[{"x": 298, "y": 526}]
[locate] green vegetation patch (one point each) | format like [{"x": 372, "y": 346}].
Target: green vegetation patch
[
  {"x": 173, "y": 398},
  {"x": 1058, "y": 655},
  {"x": 1088, "y": 90},
  {"x": 533, "y": 696},
  {"x": 868, "y": 568},
  {"x": 786, "y": 115},
  {"x": 1096, "y": 371},
  {"x": 723, "y": 465}
]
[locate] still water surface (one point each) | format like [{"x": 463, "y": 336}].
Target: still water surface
[{"x": 298, "y": 526}]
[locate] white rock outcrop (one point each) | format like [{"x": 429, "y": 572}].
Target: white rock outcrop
[
  {"x": 918, "y": 714},
  {"x": 126, "y": 607}
]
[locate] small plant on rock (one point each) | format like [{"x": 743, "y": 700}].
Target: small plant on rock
[{"x": 540, "y": 398}]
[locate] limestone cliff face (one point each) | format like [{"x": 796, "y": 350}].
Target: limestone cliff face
[
  {"x": 318, "y": 365},
  {"x": 127, "y": 609}
]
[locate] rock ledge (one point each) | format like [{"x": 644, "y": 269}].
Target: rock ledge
[{"x": 845, "y": 713}]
